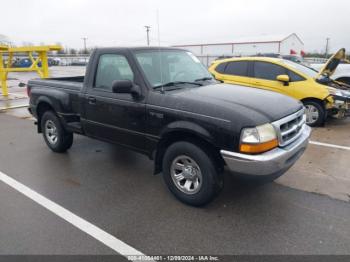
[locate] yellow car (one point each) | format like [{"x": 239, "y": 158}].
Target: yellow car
[{"x": 320, "y": 94}]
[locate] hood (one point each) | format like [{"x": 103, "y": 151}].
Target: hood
[
  {"x": 238, "y": 104},
  {"x": 331, "y": 65}
]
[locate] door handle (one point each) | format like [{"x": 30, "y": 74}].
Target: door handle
[{"x": 92, "y": 100}]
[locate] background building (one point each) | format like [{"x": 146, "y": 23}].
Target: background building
[{"x": 282, "y": 44}]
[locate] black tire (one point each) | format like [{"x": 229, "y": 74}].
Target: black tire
[
  {"x": 211, "y": 181},
  {"x": 64, "y": 139},
  {"x": 319, "y": 121}
]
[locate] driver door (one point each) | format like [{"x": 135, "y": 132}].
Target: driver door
[
  {"x": 118, "y": 118},
  {"x": 265, "y": 74}
]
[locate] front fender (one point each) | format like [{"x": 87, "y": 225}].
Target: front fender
[
  {"x": 187, "y": 127},
  {"x": 179, "y": 130}
]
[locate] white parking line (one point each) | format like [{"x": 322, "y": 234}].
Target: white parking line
[
  {"x": 90, "y": 229},
  {"x": 13, "y": 107},
  {"x": 329, "y": 145}
]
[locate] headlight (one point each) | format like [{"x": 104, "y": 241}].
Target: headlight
[
  {"x": 258, "y": 139},
  {"x": 335, "y": 92}
]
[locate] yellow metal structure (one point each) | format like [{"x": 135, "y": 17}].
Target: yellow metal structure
[{"x": 30, "y": 51}]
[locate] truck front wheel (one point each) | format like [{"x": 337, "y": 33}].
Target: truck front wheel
[
  {"x": 191, "y": 174},
  {"x": 55, "y": 136}
]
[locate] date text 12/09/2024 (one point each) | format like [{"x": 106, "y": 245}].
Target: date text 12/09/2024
[{"x": 173, "y": 258}]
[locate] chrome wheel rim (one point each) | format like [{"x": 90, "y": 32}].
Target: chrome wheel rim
[
  {"x": 51, "y": 132},
  {"x": 186, "y": 174},
  {"x": 312, "y": 114}
]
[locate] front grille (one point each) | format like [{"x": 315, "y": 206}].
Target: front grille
[{"x": 290, "y": 128}]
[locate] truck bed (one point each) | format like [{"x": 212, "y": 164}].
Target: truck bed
[
  {"x": 74, "y": 83},
  {"x": 63, "y": 91}
]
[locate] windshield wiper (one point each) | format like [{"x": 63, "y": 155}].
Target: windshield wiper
[
  {"x": 203, "y": 79},
  {"x": 175, "y": 83}
]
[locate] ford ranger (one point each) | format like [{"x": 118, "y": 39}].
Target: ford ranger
[{"x": 163, "y": 102}]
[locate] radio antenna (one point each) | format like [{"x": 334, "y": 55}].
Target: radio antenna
[{"x": 160, "y": 54}]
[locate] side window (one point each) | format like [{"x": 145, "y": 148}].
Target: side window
[
  {"x": 295, "y": 77},
  {"x": 221, "y": 68},
  {"x": 239, "y": 68},
  {"x": 112, "y": 67},
  {"x": 268, "y": 71}
]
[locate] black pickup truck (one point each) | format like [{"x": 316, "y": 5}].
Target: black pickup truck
[{"x": 162, "y": 102}]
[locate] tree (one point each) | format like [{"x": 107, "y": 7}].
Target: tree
[{"x": 73, "y": 51}]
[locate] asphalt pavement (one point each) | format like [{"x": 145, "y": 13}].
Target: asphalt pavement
[{"x": 115, "y": 189}]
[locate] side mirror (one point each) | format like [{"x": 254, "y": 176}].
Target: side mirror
[
  {"x": 125, "y": 87},
  {"x": 283, "y": 78},
  {"x": 122, "y": 86}
]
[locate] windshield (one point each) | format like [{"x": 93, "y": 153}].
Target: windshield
[
  {"x": 301, "y": 68},
  {"x": 165, "y": 66}
]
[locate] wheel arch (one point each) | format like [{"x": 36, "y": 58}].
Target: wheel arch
[
  {"x": 313, "y": 99},
  {"x": 322, "y": 103},
  {"x": 43, "y": 106},
  {"x": 189, "y": 135}
]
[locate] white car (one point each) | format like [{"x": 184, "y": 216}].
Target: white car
[{"x": 342, "y": 74}]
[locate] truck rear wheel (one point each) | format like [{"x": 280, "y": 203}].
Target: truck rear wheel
[
  {"x": 55, "y": 136},
  {"x": 191, "y": 174}
]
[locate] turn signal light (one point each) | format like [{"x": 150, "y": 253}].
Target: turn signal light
[{"x": 258, "y": 147}]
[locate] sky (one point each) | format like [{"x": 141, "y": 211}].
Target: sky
[{"x": 121, "y": 22}]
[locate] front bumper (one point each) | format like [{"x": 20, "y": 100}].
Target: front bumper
[
  {"x": 344, "y": 111},
  {"x": 340, "y": 107},
  {"x": 276, "y": 161}
]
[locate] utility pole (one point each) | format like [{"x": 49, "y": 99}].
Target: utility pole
[
  {"x": 327, "y": 46},
  {"x": 85, "y": 39},
  {"x": 147, "y": 31}
]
